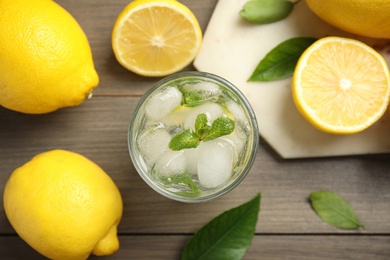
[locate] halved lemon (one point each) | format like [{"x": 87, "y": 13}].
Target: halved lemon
[
  {"x": 156, "y": 37},
  {"x": 341, "y": 85}
]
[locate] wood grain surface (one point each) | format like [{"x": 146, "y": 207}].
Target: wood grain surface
[{"x": 154, "y": 227}]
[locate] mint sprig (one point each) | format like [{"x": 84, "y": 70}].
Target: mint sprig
[
  {"x": 221, "y": 126},
  {"x": 185, "y": 139},
  {"x": 181, "y": 179},
  {"x": 201, "y": 127},
  {"x": 189, "y": 138},
  {"x": 196, "y": 97},
  {"x": 191, "y": 98}
]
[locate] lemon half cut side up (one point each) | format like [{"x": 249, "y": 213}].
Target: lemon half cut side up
[
  {"x": 341, "y": 85},
  {"x": 156, "y": 37}
]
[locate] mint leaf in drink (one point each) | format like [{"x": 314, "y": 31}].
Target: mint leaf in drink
[
  {"x": 183, "y": 140},
  {"x": 334, "y": 210},
  {"x": 203, "y": 132},
  {"x": 266, "y": 11},
  {"x": 201, "y": 125},
  {"x": 191, "y": 98},
  {"x": 280, "y": 62},
  {"x": 228, "y": 236},
  {"x": 181, "y": 179},
  {"x": 220, "y": 127}
]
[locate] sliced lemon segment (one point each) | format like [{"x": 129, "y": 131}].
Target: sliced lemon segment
[
  {"x": 341, "y": 85},
  {"x": 156, "y": 37}
]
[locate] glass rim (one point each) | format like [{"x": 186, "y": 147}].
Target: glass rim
[{"x": 253, "y": 144}]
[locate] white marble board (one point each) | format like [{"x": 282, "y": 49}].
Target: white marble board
[{"x": 232, "y": 49}]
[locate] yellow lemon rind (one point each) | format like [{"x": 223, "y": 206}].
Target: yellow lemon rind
[
  {"x": 133, "y": 7},
  {"x": 310, "y": 115}
]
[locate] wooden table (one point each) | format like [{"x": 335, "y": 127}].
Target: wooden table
[{"x": 154, "y": 227}]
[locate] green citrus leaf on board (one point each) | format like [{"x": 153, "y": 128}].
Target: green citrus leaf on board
[
  {"x": 280, "y": 62},
  {"x": 266, "y": 11}
]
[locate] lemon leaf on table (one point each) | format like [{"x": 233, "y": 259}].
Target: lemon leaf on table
[
  {"x": 266, "y": 11},
  {"x": 227, "y": 236},
  {"x": 280, "y": 62},
  {"x": 334, "y": 210}
]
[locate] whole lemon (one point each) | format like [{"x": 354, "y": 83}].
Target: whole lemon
[
  {"x": 64, "y": 206},
  {"x": 362, "y": 17},
  {"x": 45, "y": 57}
]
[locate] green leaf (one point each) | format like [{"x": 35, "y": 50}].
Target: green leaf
[
  {"x": 203, "y": 132},
  {"x": 183, "y": 140},
  {"x": 280, "y": 62},
  {"x": 226, "y": 237},
  {"x": 191, "y": 98},
  {"x": 181, "y": 179},
  {"x": 266, "y": 11},
  {"x": 201, "y": 126},
  {"x": 220, "y": 126},
  {"x": 334, "y": 210}
]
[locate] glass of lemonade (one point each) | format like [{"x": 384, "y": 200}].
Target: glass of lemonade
[{"x": 193, "y": 137}]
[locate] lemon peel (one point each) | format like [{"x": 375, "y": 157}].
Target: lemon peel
[
  {"x": 341, "y": 85},
  {"x": 362, "y": 17},
  {"x": 45, "y": 58},
  {"x": 156, "y": 37},
  {"x": 64, "y": 206}
]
